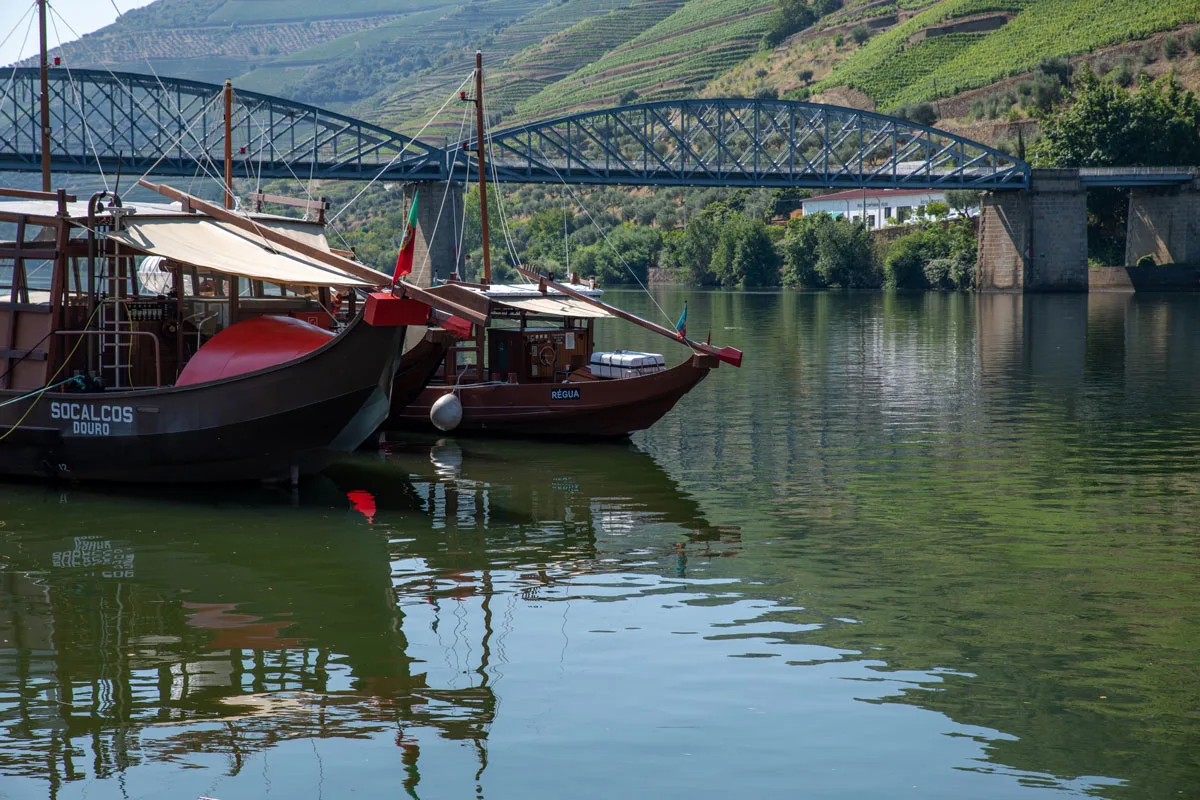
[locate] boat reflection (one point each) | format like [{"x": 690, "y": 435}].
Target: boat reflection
[{"x": 136, "y": 632}]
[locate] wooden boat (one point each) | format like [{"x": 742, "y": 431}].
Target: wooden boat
[
  {"x": 533, "y": 370},
  {"x": 101, "y": 380},
  {"x": 538, "y": 376}
]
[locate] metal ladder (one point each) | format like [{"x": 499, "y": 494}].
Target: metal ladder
[{"x": 116, "y": 350}]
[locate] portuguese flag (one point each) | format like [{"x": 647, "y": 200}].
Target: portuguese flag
[{"x": 404, "y": 261}]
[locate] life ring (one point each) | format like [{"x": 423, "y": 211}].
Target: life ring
[{"x": 545, "y": 355}]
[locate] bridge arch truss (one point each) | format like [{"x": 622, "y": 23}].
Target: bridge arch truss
[
  {"x": 748, "y": 142},
  {"x": 175, "y": 127}
]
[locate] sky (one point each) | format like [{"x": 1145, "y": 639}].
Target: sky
[{"x": 84, "y": 16}]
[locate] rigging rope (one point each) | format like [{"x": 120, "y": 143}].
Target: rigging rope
[
  {"x": 401, "y": 151},
  {"x": 446, "y": 193},
  {"x": 604, "y": 235},
  {"x": 82, "y": 117}
]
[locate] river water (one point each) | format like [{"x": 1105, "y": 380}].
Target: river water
[{"x": 919, "y": 546}]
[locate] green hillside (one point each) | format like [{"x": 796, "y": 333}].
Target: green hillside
[
  {"x": 893, "y": 70},
  {"x": 673, "y": 58}
]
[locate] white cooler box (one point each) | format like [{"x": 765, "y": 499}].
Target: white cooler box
[{"x": 626, "y": 364}]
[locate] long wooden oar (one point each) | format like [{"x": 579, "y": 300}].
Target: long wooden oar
[
  {"x": 361, "y": 271},
  {"x": 729, "y": 355}
]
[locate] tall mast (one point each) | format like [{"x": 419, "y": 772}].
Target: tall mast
[
  {"x": 45, "y": 102},
  {"x": 228, "y": 143},
  {"x": 483, "y": 206}
]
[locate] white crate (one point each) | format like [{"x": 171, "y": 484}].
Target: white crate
[{"x": 626, "y": 364}]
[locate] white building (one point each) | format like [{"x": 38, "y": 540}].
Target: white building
[{"x": 878, "y": 205}]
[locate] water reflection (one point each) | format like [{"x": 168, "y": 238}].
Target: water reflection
[
  {"x": 167, "y": 632},
  {"x": 923, "y": 541}
]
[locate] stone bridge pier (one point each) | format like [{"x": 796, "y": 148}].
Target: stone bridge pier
[
  {"x": 1164, "y": 223},
  {"x": 439, "y": 220},
  {"x": 1035, "y": 239}
]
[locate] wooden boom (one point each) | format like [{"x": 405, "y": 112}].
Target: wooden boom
[
  {"x": 332, "y": 259},
  {"x": 729, "y": 355}
]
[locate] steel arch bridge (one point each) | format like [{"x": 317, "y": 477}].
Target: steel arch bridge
[{"x": 173, "y": 127}]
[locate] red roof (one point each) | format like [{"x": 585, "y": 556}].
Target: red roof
[{"x": 858, "y": 194}]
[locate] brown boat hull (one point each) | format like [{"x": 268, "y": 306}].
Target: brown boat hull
[
  {"x": 292, "y": 419},
  {"x": 418, "y": 366},
  {"x": 596, "y": 409}
]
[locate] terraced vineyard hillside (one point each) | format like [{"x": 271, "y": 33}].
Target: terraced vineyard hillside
[
  {"x": 923, "y": 57},
  {"x": 217, "y": 39},
  {"x": 409, "y": 105},
  {"x": 674, "y": 58},
  {"x": 558, "y": 56}
]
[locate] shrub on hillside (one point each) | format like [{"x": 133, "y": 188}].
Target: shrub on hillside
[
  {"x": 860, "y": 33},
  {"x": 1122, "y": 73},
  {"x": 1193, "y": 41},
  {"x": 1171, "y": 46},
  {"x": 793, "y": 16},
  {"x": 920, "y": 113}
]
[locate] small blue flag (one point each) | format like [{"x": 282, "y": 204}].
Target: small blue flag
[{"x": 681, "y": 326}]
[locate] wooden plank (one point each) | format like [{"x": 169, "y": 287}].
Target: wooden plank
[
  {"x": 295, "y": 202},
  {"x": 26, "y": 355},
  {"x": 26, "y": 194}
]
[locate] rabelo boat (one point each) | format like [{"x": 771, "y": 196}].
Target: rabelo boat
[
  {"x": 532, "y": 370},
  {"x": 184, "y": 342}
]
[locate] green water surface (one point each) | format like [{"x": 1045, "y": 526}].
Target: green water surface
[{"x": 919, "y": 546}]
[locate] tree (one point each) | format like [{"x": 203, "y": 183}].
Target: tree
[
  {"x": 800, "y": 251},
  {"x": 1159, "y": 125},
  {"x": 844, "y": 255},
  {"x": 962, "y": 200},
  {"x": 627, "y": 256},
  {"x": 745, "y": 256},
  {"x": 860, "y": 33},
  {"x": 932, "y": 256}
]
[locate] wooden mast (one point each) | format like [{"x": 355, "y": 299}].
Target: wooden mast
[
  {"x": 234, "y": 287},
  {"x": 229, "y": 144},
  {"x": 483, "y": 205},
  {"x": 45, "y": 101}
]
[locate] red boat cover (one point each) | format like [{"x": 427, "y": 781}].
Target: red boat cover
[{"x": 251, "y": 345}]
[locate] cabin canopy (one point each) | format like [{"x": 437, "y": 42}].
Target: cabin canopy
[{"x": 221, "y": 247}]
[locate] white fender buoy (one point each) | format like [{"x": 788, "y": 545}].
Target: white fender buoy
[{"x": 446, "y": 413}]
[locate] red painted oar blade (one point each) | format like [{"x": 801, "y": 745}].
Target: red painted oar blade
[{"x": 730, "y": 355}]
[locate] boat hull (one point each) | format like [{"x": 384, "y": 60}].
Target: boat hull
[
  {"x": 596, "y": 409},
  {"x": 418, "y": 366},
  {"x": 278, "y": 423}
]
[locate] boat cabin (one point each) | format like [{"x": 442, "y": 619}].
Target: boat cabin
[
  {"x": 122, "y": 296},
  {"x": 534, "y": 334}
]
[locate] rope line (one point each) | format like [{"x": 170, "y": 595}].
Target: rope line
[
  {"x": 75, "y": 90},
  {"x": 604, "y": 235},
  {"x": 41, "y": 392},
  {"x": 402, "y": 150}
]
